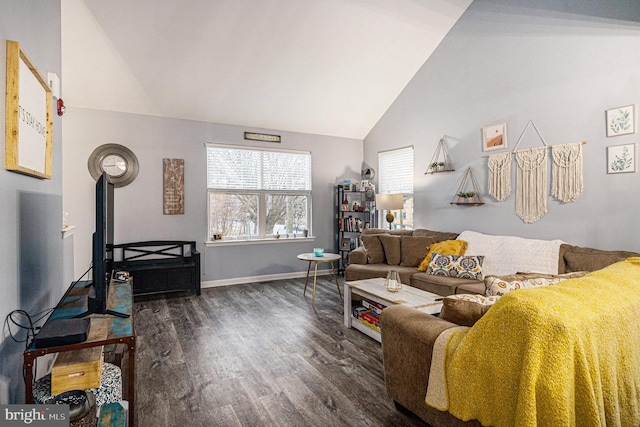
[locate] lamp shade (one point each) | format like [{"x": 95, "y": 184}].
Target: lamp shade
[{"x": 389, "y": 202}]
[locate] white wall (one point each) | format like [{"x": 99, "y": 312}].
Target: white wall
[
  {"x": 558, "y": 63},
  {"x": 32, "y": 250},
  {"x": 138, "y": 206}
]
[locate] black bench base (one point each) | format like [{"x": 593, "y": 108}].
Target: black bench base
[{"x": 160, "y": 266}]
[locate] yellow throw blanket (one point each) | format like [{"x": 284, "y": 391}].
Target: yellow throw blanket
[{"x": 562, "y": 355}]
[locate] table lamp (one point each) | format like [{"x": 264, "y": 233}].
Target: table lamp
[{"x": 389, "y": 202}]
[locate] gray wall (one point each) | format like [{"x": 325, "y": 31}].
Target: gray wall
[
  {"x": 33, "y": 250},
  {"x": 558, "y": 63},
  {"x": 138, "y": 206}
]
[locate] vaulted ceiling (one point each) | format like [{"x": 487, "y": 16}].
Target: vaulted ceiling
[{"x": 328, "y": 67}]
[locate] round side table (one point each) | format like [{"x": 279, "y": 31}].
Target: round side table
[{"x": 327, "y": 257}]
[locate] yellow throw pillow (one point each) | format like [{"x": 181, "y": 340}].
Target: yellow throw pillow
[{"x": 446, "y": 247}]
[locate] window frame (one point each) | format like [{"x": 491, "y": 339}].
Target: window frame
[
  {"x": 405, "y": 188},
  {"x": 263, "y": 235}
]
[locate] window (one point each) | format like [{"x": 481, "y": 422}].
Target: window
[
  {"x": 258, "y": 193},
  {"x": 396, "y": 176}
]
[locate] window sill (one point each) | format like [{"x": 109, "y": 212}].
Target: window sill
[{"x": 267, "y": 240}]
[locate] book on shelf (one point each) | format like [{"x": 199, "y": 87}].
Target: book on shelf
[
  {"x": 367, "y": 316},
  {"x": 367, "y": 322},
  {"x": 373, "y": 307}
]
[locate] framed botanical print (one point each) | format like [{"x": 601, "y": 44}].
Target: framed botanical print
[
  {"x": 621, "y": 120},
  {"x": 621, "y": 158}
]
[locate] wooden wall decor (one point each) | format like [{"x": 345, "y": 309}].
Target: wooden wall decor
[
  {"x": 173, "y": 186},
  {"x": 29, "y": 116}
]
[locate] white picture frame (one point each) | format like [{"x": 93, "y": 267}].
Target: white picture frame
[
  {"x": 494, "y": 137},
  {"x": 621, "y": 159},
  {"x": 621, "y": 120}
]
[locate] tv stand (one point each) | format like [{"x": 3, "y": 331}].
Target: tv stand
[
  {"x": 94, "y": 308},
  {"x": 103, "y": 331}
]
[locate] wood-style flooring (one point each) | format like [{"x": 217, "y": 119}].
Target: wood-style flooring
[{"x": 257, "y": 355}]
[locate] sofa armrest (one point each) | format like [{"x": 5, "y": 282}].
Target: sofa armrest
[
  {"x": 358, "y": 256},
  {"x": 408, "y": 336}
]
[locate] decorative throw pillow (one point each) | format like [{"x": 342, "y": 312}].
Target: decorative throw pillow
[
  {"x": 446, "y": 247},
  {"x": 464, "y": 267},
  {"x": 466, "y": 309},
  {"x": 373, "y": 247},
  {"x": 391, "y": 245},
  {"x": 500, "y": 285}
]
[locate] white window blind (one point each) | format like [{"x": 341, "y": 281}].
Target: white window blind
[
  {"x": 396, "y": 171},
  {"x": 250, "y": 169}
]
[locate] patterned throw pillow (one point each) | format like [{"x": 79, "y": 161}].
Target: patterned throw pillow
[
  {"x": 464, "y": 267},
  {"x": 446, "y": 247},
  {"x": 500, "y": 285}
]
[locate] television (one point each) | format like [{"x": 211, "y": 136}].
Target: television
[{"x": 102, "y": 250}]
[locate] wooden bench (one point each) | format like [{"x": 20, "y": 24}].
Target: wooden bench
[{"x": 159, "y": 266}]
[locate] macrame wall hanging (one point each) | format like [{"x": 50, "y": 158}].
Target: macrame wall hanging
[
  {"x": 500, "y": 175},
  {"x": 531, "y": 179},
  {"x": 531, "y": 184},
  {"x": 566, "y": 183},
  {"x": 531, "y": 176}
]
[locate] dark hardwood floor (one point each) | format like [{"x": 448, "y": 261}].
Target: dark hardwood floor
[{"x": 257, "y": 355}]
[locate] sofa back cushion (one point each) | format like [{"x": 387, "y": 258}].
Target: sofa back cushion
[
  {"x": 589, "y": 259},
  {"x": 391, "y": 245},
  {"x": 413, "y": 249},
  {"x": 436, "y": 236}
]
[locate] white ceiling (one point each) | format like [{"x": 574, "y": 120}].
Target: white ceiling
[{"x": 328, "y": 67}]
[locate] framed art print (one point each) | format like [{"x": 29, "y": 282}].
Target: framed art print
[
  {"x": 621, "y": 158},
  {"x": 621, "y": 120},
  {"x": 494, "y": 137}
]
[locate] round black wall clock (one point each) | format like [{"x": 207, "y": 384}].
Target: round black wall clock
[{"x": 117, "y": 161}]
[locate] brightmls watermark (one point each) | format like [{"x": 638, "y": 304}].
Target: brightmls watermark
[{"x": 34, "y": 415}]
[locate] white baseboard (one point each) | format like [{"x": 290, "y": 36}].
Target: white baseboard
[{"x": 265, "y": 278}]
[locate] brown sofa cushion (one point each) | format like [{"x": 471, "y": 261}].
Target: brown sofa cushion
[
  {"x": 465, "y": 309},
  {"x": 391, "y": 245},
  {"x": 437, "y": 236},
  {"x": 413, "y": 249},
  {"x": 373, "y": 246},
  {"x": 588, "y": 259}
]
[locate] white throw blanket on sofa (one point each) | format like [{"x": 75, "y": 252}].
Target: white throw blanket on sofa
[{"x": 504, "y": 255}]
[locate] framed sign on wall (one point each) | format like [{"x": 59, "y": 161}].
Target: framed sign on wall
[
  {"x": 173, "y": 186},
  {"x": 29, "y": 116}
]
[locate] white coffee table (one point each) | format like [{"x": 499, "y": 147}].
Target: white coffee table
[
  {"x": 327, "y": 257},
  {"x": 374, "y": 290}
]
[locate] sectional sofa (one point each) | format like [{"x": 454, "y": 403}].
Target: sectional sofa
[
  {"x": 404, "y": 250},
  {"x": 409, "y": 336}
]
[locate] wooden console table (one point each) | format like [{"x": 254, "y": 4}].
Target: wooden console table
[{"x": 104, "y": 330}]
